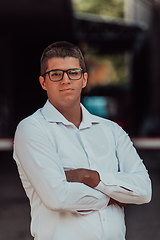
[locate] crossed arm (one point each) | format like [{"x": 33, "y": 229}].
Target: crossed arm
[{"x": 89, "y": 177}]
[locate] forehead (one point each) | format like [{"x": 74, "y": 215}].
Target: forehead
[{"x": 63, "y": 63}]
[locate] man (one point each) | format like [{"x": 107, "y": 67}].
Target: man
[{"x": 78, "y": 170}]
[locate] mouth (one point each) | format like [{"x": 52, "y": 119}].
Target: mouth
[{"x": 66, "y": 89}]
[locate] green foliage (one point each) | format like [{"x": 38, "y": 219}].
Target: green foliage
[
  {"x": 116, "y": 63},
  {"x": 109, "y": 8}
]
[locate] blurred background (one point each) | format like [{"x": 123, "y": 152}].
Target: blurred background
[{"x": 120, "y": 40}]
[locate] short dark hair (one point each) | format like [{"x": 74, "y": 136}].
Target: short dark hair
[{"x": 61, "y": 50}]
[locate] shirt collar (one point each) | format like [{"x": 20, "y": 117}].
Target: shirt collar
[
  {"x": 87, "y": 119},
  {"x": 51, "y": 114}
]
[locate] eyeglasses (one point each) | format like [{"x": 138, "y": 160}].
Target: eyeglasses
[{"x": 57, "y": 74}]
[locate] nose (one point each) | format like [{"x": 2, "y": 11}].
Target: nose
[{"x": 65, "y": 79}]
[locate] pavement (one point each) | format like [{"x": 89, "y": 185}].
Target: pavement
[{"x": 142, "y": 221}]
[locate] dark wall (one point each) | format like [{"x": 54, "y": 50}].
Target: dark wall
[
  {"x": 145, "y": 74},
  {"x": 28, "y": 27},
  {"x": 26, "y": 30}
]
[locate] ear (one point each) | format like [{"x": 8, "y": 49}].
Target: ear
[
  {"x": 42, "y": 82},
  {"x": 85, "y": 77}
]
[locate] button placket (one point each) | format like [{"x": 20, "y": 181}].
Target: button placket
[{"x": 89, "y": 152}]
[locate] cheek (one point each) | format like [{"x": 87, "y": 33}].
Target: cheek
[
  {"x": 51, "y": 91},
  {"x": 80, "y": 86}
]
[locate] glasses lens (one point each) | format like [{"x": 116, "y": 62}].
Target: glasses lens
[
  {"x": 56, "y": 75},
  {"x": 75, "y": 74}
]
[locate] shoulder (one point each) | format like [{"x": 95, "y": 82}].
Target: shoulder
[
  {"x": 29, "y": 124},
  {"x": 106, "y": 122},
  {"x": 110, "y": 127},
  {"x": 36, "y": 116}
]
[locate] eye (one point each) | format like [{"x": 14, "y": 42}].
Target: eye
[
  {"x": 74, "y": 72},
  {"x": 55, "y": 73}
]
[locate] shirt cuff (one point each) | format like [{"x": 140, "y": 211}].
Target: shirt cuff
[
  {"x": 107, "y": 183},
  {"x": 102, "y": 188},
  {"x": 102, "y": 203}
]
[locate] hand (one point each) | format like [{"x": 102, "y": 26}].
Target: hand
[
  {"x": 113, "y": 201},
  {"x": 89, "y": 177}
]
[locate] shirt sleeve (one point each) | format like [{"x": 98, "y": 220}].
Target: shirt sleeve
[
  {"x": 131, "y": 184},
  {"x": 38, "y": 158}
]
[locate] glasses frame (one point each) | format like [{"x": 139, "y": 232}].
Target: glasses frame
[{"x": 64, "y": 71}]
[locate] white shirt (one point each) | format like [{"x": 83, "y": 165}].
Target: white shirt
[{"x": 46, "y": 144}]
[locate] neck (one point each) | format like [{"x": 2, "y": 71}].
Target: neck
[{"x": 73, "y": 115}]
